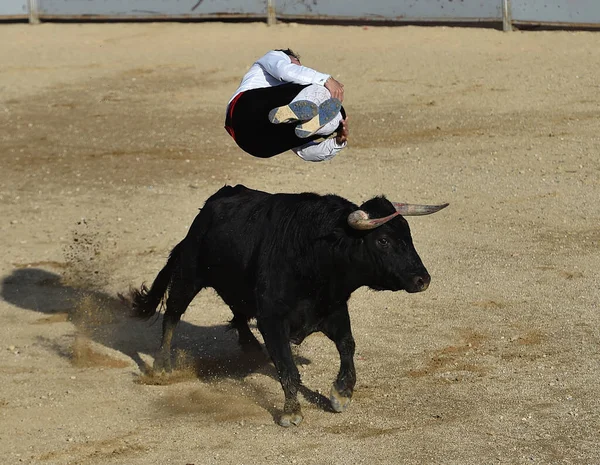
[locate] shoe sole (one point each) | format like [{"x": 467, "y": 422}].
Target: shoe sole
[
  {"x": 301, "y": 110},
  {"x": 328, "y": 110}
]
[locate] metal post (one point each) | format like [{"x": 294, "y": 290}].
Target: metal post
[
  {"x": 506, "y": 16},
  {"x": 271, "y": 16},
  {"x": 34, "y": 17}
]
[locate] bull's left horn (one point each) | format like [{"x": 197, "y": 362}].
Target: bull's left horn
[
  {"x": 407, "y": 209},
  {"x": 359, "y": 219}
]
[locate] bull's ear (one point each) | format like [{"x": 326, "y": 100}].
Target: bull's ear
[{"x": 407, "y": 209}]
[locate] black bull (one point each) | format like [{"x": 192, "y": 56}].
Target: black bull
[{"x": 291, "y": 261}]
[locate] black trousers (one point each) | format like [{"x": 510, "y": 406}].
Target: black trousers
[{"x": 250, "y": 125}]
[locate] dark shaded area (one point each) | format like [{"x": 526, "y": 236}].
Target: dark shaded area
[
  {"x": 105, "y": 319},
  {"x": 225, "y": 18}
]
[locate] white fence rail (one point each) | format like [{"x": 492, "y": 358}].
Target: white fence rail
[{"x": 561, "y": 13}]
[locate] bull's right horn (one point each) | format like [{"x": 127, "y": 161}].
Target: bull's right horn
[
  {"x": 360, "y": 220},
  {"x": 408, "y": 209}
]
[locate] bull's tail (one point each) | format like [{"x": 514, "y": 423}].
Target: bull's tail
[{"x": 144, "y": 302}]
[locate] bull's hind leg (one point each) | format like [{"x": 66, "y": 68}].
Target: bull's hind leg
[
  {"x": 337, "y": 328},
  {"x": 181, "y": 294},
  {"x": 246, "y": 339}
]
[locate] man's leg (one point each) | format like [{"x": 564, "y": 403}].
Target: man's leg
[
  {"x": 328, "y": 117},
  {"x": 313, "y": 106},
  {"x": 294, "y": 112},
  {"x": 326, "y": 122},
  {"x": 256, "y": 135},
  {"x": 313, "y": 93},
  {"x": 303, "y": 106}
]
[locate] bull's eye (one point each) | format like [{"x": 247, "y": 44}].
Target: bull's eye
[{"x": 383, "y": 242}]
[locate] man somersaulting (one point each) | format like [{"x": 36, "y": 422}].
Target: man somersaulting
[{"x": 281, "y": 105}]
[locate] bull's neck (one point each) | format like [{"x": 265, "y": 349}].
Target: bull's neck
[{"x": 345, "y": 279}]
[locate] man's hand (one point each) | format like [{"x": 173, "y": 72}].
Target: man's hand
[
  {"x": 335, "y": 88},
  {"x": 342, "y": 132}
]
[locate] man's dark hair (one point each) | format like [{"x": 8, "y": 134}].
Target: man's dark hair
[{"x": 289, "y": 52}]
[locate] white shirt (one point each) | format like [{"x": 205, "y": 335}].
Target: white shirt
[{"x": 276, "y": 68}]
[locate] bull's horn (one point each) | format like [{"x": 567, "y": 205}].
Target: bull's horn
[
  {"x": 359, "y": 219},
  {"x": 407, "y": 209}
]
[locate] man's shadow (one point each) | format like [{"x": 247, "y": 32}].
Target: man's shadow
[{"x": 104, "y": 319}]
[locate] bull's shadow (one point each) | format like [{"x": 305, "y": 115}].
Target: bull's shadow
[{"x": 105, "y": 320}]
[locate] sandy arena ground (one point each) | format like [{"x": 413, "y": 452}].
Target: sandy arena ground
[{"x": 111, "y": 138}]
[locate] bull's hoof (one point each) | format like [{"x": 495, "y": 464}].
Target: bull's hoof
[
  {"x": 288, "y": 419},
  {"x": 339, "y": 402},
  {"x": 162, "y": 366}
]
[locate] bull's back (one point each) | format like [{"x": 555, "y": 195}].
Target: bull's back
[
  {"x": 236, "y": 215},
  {"x": 240, "y": 230},
  {"x": 232, "y": 219}
]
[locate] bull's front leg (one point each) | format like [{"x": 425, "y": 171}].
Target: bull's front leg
[
  {"x": 275, "y": 332},
  {"x": 337, "y": 328}
]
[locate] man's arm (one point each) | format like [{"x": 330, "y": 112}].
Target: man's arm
[
  {"x": 335, "y": 88},
  {"x": 278, "y": 65}
]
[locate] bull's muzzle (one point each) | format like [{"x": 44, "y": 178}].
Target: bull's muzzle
[{"x": 419, "y": 283}]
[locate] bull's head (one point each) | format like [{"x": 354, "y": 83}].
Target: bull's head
[{"x": 388, "y": 239}]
